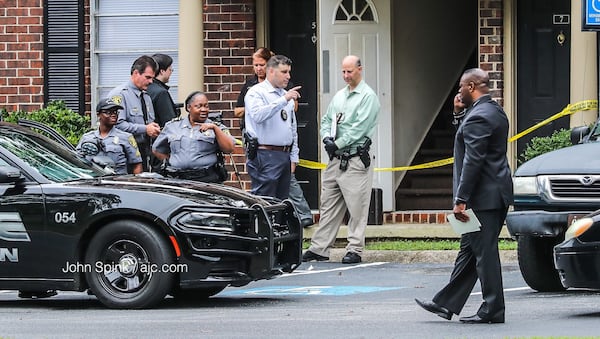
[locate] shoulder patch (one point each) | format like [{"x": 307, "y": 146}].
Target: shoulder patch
[
  {"x": 131, "y": 140},
  {"x": 117, "y": 99}
]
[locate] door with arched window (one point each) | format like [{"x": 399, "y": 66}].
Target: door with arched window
[{"x": 362, "y": 28}]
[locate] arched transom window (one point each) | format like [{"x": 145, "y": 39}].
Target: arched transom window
[{"x": 355, "y": 10}]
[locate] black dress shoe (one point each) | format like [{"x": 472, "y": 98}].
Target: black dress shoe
[
  {"x": 311, "y": 256},
  {"x": 434, "y": 308},
  {"x": 351, "y": 258},
  {"x": 306, "y": 223},
  {"x": 476, "y": 319}
]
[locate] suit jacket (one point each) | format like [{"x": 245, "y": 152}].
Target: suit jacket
[{"x": 482, "y": 176}]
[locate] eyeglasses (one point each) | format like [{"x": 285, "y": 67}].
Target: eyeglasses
[{"x": 109, "y": 113}]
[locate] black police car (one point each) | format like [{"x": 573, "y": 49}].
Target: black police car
[
  {"x": 129, "y": 240},
  {"x": 577, "y": 258}
]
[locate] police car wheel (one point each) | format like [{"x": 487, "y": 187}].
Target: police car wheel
[
  {"x": 196, "y": 293},
  {"x": 126, "y": 258}
]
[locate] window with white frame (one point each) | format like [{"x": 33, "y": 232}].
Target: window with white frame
[{"x": 124, "y": 30}]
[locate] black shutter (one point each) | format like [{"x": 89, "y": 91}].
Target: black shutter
[{"x": 64, "y": 53}]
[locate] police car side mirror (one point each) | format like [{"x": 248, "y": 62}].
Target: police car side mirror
[
  {"x": 9, "y": 174},
  {"x": 578, "y": 134}
]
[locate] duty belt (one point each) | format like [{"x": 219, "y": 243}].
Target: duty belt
[
  {"x": 347, "y": 156},
  {"x": 276, "y": 148},
  {"x": 190, "y": 174}
]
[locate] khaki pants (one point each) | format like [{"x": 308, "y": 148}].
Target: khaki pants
[{"x": 343, "y": 190}]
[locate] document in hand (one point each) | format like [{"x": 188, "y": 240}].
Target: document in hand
[{"x": 473, "y": 225}]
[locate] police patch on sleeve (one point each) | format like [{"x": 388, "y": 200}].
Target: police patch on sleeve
[
  {"x": 132, "y": 142},
  {"x": 117, "y": 99}
]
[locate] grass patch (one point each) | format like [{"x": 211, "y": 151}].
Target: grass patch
[{"x": 421, "y": 245}]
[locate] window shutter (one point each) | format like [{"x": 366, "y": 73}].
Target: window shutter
[{"x": 64, "y": 53}]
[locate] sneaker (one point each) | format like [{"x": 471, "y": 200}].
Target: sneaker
[
  {"x": 351, "y": 258},
  {"x": 310, "y": 256}
]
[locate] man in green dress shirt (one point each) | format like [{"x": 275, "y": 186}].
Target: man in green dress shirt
[{"x": 346, "y": 130}]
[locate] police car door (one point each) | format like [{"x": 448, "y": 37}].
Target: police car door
[{"x": 21, "y": 227}]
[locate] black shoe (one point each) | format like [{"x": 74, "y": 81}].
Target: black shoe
[
  {"x": 351, "y": 258},
  {"x": 306, "y": 223},
  {"x": 310, "y": 256},
  {"x": 476, "y": 319},
  {"x": 435, "y": 309}
]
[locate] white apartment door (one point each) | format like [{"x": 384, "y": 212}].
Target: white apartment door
[{"x": 362, "y": 28}]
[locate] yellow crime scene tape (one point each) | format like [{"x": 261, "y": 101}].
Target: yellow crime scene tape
[{"x": 585, "y": 105}]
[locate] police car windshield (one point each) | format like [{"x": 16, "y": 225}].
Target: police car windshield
[{"x": 47, "y": 157}]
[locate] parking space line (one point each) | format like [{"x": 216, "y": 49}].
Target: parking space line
[
  {"x": 311, "y": 271},
  {"x": 508, "y": 290}
]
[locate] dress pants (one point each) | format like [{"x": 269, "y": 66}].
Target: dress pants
[
  {"x": 270, "y": 173},
  {"x": 342, "y": 191},
  {"x": 477, "y": 258},
  {"x": 297, "y": 197}
]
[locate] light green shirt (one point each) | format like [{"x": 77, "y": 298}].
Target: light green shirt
[{"x": 359, "y": 112}]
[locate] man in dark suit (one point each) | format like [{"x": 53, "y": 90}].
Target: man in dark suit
[{"x": 482, "y": 181}]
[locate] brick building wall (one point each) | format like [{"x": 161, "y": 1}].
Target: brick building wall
[
  {"x": 21, "y": 54},
  {"x": 229, "y": 41},
  {"x": 490, "y": 45}
]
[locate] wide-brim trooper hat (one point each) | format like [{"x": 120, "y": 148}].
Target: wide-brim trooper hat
[{"x": 107, "y": 104}]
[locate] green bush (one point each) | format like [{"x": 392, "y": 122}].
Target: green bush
[
  {"x": 541, "y": 145},
  {"x": 65, "y": 121}
]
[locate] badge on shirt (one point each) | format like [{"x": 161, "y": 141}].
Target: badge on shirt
[
  {"x": 284, "y": 115},
  {"x": 116, "y": 140}
]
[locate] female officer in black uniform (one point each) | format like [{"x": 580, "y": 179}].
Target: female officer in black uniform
[{"x": 191, "y": 144}]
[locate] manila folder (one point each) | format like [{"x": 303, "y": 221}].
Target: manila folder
[{"x": 473, "y": 225}]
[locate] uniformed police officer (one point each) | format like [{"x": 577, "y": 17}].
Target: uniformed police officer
[
  {"x": 191, "y": 144},
  {"x": 271, "y": 122},
  {"x": 137, "y": 114},
  {"x": 119, "y": 146}
]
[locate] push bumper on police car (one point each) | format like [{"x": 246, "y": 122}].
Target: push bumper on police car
[{"x": 238, "y": 246}]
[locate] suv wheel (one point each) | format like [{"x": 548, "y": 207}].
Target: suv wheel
[{"x": 536, "y": 261}]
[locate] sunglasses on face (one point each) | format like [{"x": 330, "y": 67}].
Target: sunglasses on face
[{"x": 109, "y": 113}]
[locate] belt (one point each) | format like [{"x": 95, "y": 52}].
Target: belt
[
  {"x": 276, "y": 148},
  {"x": 339, "y": 156},
  {"x": 190, "y": 174}
]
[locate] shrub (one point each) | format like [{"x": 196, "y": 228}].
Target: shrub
[
  {"x": 541, "y": 145},
  {"x": 65, "y": 121}
]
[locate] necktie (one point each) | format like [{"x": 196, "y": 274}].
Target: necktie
[{"x": 144, "y": 108}]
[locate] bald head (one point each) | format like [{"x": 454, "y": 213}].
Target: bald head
[
  {"x": 473, "y": 84},
  {"x": 352, "y": 71}
]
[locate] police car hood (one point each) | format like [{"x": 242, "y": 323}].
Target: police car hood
[
  {"x": 199, "y": 192},
  {"x": 577, "y": 159}
]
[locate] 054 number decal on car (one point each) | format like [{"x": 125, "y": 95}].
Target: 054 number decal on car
[{"x": 64, "y": 217}]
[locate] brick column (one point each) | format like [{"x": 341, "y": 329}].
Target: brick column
[
  {"x": 491, "y": 45},
  {"x": 229, "y": 41}
]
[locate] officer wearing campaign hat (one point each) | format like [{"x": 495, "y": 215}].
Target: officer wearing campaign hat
[{"x": 106, "y": 140}]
